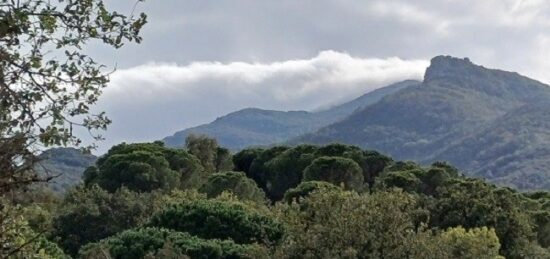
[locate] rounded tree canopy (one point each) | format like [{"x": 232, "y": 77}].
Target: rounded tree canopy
[
  {"x": 234, "y": 182},
  {"x": 336, "y": 170},
  {"x": 305, "y": 188},
  {"x": 138, "y": 243},
  {"x": 145, "y": 167},
  {"x": 222, "y": 220},
  {"x": 285, "y": 171}
]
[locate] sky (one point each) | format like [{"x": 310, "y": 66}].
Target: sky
[{"x": 202, "y": 59}]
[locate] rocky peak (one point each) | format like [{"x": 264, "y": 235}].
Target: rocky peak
[{"x": 447, "y": 66}]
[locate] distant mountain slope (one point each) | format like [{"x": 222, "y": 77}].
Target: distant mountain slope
[
  {"x": 489, "y": 122},
  {"x": 257, "y": 127},
  {"x": 68, "y": 163}
]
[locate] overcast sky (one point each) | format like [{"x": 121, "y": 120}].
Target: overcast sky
[{"x": 201, "y": 59}]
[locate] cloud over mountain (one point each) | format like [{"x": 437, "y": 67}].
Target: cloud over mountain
[{"x": 173, "y": 96}]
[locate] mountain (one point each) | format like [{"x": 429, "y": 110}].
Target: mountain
[
  {"x": 67, "y": 164},
  {"x": 257, "y": 127},
  {"x": 488, "y": 122}
]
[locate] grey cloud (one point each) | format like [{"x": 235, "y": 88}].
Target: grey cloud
[
  {"x": 154, "y": 100},
  {"x": 507, "y": 34}
]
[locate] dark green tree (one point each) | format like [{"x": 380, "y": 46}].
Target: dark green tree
[
  {"x": 90, "y": 214},
  {"x": 138, "y": 243},
  {"x": 243, "y": 159},
  {"x": 224, "y": 160},
  {"x": 373, "y": 163},
  {"x": 204, "y": 148},
  {"x": 305, "y": 188},
  {"x": 285, "y": 171},
  {"x": 145, "y": 167},
  {"x": 235, "y": 182},
  {"x": 258, "y": 171},
  {"x": 473, "y": 203},
  {"x": 222, "y": 220},
  {"x": 336, "y": 170}
]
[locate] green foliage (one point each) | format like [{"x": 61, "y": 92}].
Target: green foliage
[
  {"x": 412, "y": 211},
  {"x": 305, "y": 188},
  {"x": 336, "y": 170},
  {"x": 19, "y": 240},
  {"x": 145, "y": 167},
  {"x": 235, "y": 182},
  {"x": 138, "y": 171},
  {"x": 224, "y": 160},
  {"x": 137, "y": 243},
  {"x": 243, "y": 159},
  {"x": 405, "y": 180},
  {"x": 258, "y": 171},
  {"x": 212, "y": 157},
  {"x": 373, "y": 163},
  {"x": 88, "y": 215},
  {"x": 47, "y": 82},
  {"x": 222, "y": 220},
  {"x": 286, "y": 170},
  {"x": 472, "y": 203},
  {"x": 337, "y": 224},
  {"x": 469, "y": 244}
]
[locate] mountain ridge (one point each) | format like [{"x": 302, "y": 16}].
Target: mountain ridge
[
  {"x": 259, "y": 127},
  {"x": 456, "y": 101}
]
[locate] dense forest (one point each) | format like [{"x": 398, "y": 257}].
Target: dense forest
[{"x": 146, "y": 200}]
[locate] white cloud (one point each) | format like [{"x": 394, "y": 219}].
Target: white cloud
[{"x": 154, "y": 100}]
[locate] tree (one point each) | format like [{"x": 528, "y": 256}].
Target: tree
[
  {"x": 258, "y": 171},
  {"x": 373, "y": 163},
  {"x": 90, "y": 214},
  {"x": 469, "y": 244},
  {"x": 19, "y": 240},
  {"x": 211, "y": 219},
  {"x": 336, "y": 224},
  {"x": 235, "y": 182},
  {"x": 137, "y": 243},
  {"x": 145, "y": 167},
  {"x": 335, "y": 170},
  {"x": 204, "y": 148},
  {"x": 47, "y": 83},
  {"x": 473, "y": 203},
  {"x": 224, "y": 161},
  {"x": 305, "y": 188},
  {"x": 285, "y": 171},
  {"x": 243, "y": 159}
]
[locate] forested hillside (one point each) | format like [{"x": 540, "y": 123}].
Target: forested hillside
[
  {"x": 257, "y": 127},
  {"x": 146, "y": 200},
  {"x": 489, "y": 123}
]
